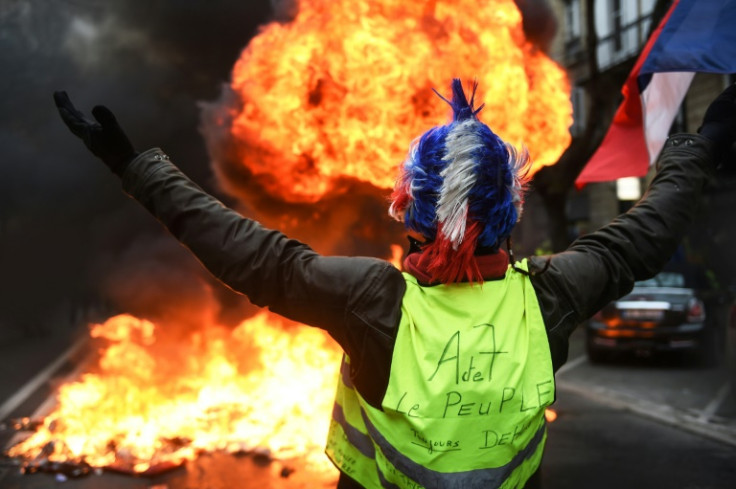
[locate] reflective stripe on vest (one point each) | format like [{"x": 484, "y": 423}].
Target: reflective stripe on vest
[{"x": 470, "y": 379}]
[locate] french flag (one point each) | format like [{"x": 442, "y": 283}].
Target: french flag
[{"x": 694, "y": 36}]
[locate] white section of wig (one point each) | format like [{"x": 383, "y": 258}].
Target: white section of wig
[
  {"x": 458, "y": 179},
  {"x": 408, "y": 162},
  {"x": 519, "y": 166}
]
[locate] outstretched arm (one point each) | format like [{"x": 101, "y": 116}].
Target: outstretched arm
[
  {"x": 603, "y": 266},
  {"x": 334, "y": 293}
]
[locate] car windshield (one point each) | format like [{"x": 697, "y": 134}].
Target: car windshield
[{"x": 664, "y": 279}]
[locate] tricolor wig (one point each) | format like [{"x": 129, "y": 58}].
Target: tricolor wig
[{"x": 462, "y": 188}]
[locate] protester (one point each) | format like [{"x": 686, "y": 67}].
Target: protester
[{"x": 448, "y": 366}]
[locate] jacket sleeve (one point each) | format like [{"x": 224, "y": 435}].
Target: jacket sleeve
[
  {"x": 285, "y": 275},
  {"x": 603, "y": 266}
]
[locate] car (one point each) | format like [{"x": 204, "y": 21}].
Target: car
[{"x": 661, "y": 314}]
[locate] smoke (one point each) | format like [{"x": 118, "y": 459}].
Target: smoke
[
  {"x": 155, "y": 281},
  {"x": 63, "y": 221},
  {"x": 284, "y": 10},
  {"x": 65, "y": 228},
  {"x": 540, "y": 23}
]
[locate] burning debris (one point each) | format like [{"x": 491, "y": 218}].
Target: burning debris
[
  {"x": 260, "y": 390},
  {"x": 78, "y": 468},
  {"x": 62, "y": 470},
  {"x": 21, "y": 424}
]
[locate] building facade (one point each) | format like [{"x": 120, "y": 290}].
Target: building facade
[{"x": 602, "y": 39}]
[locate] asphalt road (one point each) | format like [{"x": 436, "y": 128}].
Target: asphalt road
[
  {"x": 671, "y": 389},
  {"x": 632, "y": 423},
  {"x": 592, "y": 445}
]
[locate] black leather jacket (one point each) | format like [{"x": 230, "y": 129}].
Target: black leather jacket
[{"x": 358, "y": 300}]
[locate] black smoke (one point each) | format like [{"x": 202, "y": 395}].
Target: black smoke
[
  {"x": 64, "y": 224},
  {"x": 540, "y": 23}
]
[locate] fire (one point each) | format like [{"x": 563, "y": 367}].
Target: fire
[
  {"x": 332, "y": 98},
  {"x": 396, "y": 256},
  {"x": 265, "y": 385},
  {"x": 338, "y": 94}
]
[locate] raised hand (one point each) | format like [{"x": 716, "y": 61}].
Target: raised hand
[
  {"x": 719, "y": 122},
  {"x": 103, "y": 137}
]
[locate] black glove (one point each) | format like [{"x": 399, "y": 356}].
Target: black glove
[
  {"x": 104, "y": 138},
  {"x": 719, "y": 122}
]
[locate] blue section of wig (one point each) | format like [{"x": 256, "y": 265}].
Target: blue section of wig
[
  {"x": 490, "y": 199},
  {"x": 423, "y": 171},
  {"x": 461, "y": 108},
  {"x": 491, "y": 202}
]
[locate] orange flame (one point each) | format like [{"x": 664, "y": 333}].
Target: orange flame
[
  {"x": 396, "y": 256},
  {"x": 252, "y": 387},
  {"x": 339, "y": 93},
  {"x": 333, "y": 97}
]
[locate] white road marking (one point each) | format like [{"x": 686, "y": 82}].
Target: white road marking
[
  {"x": 715, "y": 403},
  {"x": 48, "y": 405},
  {"x": 572, "y": 364},
  {"x": 41, "y": 378}
]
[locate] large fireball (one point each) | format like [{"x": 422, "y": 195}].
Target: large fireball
[{"x": 339, "y": 93}]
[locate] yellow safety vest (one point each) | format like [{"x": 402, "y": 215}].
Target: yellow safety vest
[{"x": 471, "y": 376}]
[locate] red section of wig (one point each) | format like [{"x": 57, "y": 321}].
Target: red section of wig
[
  {"x": 448, "y": 265},
  {"x": 400, "y": 199}
]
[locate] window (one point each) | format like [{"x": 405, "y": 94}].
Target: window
[
  {"x": 622, "y": 27},
  {"x": 616, "y": 24},
  {"x": 573, "y": 41},
  {"x": 572, "y": 20},
  {"x": 577, "y": 96}
]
